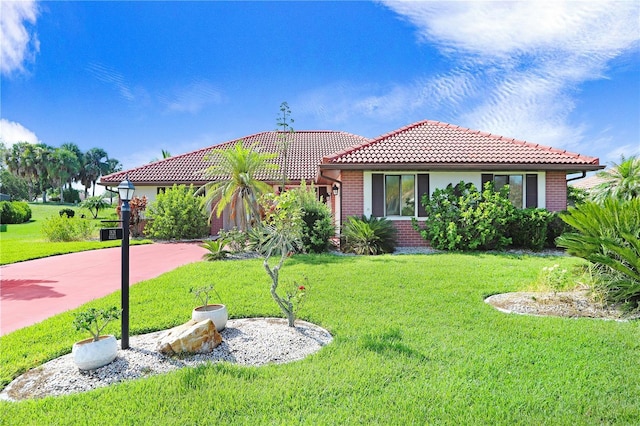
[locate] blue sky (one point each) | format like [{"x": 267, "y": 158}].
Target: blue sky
[{"x": 135, "y": 78}]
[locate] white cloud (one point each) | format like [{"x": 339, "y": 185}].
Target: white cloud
[
  {"x": 112, "y": 78},
  {"x": 193, "y": 97},
  {"x": 516, "y": 67},
  {"x": 12, "y": 132},
  {"x": 528, "y": 58},
  {"x": 19, "y": 41}
]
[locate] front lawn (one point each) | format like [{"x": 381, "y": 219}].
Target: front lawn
[
  {"x": 414, "y": 343},
  {"x": 25, "y": 241}
]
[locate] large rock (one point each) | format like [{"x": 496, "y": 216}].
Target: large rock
[{"x": 191, "y": 337}]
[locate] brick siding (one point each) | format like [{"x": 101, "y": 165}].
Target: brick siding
[
  {"x": 556, "y": 189},
  {"x": 352, "y": 193},
  {"x": 407, "y": 236}
]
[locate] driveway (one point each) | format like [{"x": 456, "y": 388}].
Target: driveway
[{"x": 37, "y": 289}]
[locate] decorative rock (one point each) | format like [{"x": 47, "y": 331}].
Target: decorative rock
[{"x": 191, "y": 337}]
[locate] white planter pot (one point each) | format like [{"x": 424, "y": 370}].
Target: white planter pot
[
  {"x": 89, "y": 355},
  {"x": 216, "y": 313}
]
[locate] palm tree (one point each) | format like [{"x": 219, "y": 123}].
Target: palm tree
[
  {"x": 621, "y": 181},
  {"x": 235, "y": 184},
  {"x": 74, "y": 174},
  {"x": 62, "y": 166},
  {"x": 112, "y": 165},
  {"x": 21, "y": 160},
  {"x": 94, "y": 166}
]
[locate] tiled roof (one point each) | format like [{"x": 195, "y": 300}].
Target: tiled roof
[
  {"x": 587, "y": 183},
  {"x": 441, "y": 145},
  {"x": 306, "y": 150}
]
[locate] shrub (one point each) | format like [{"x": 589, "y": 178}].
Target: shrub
[
  {"x": 557, "y": 227},
  {"x": 317, "y": 226},
  {"x": 462, "y": 218},
  {"x": 63, "y": 228},
  {"x": 216, "y": 250},
  {"x": 237, "y": 240},
  {"x": 14, "y": 212},
  {"x": 608, "y": 235},
  {"x": 95, "y": 204},
  {"x": 177, "y": 214},
  {"x": 370, "y": 236},
  {"x": 71, "y": 196},
  {"x": 528, "y": 228},
  {"x": 66, "y": 211}
]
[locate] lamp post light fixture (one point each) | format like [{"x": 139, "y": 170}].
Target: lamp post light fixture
[
  {"x": 335, "y": 189},
  {"x": 125, "y": 191}
]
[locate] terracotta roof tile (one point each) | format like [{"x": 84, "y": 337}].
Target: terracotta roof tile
[
  {"x": 436, "y": 143},
  {"x": 305, "y": 152}
]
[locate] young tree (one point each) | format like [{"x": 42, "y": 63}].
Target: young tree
[
  {"x": 94, "y": 205},
  {"x": 235, "y": 184},
  {"x": 279, "y": 235}
]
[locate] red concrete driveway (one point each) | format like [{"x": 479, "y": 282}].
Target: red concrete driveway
[{"x": 37, "y": 289}]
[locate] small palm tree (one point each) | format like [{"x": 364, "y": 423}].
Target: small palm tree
[
  {"x": 235, "y": 184},
  {"x": 621, "y": 181}
]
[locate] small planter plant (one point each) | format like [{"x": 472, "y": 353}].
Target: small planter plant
[
  {"x": 217, "y": 312},
  {"x": 95, "y": 320},
  {"x": 98, "y": 350}
]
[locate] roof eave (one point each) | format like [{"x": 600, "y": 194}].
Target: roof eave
[{"x": 460, "y": 166}]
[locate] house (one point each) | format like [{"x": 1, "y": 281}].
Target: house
[{"x": 387, "y": 176}]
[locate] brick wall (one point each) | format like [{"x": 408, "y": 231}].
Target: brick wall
[
  {"x": 556, "y": 189},
  {"x": 216, "y": 224},
  {"x": 352, "y": 193},
  {"x": 407, "y": 236}
]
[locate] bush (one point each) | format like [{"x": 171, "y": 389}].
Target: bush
[
  {"x": 177, "y": 214},
  {"x": 14, "y": 212},
  {"x": 528, "y": 228},
  {"x": 71, "y": 196},
  {"x": 66, "y": 211},
  {"x": 371, "y": 236},
  {"x": 237, "y": 240},
  {"x": 462, "y": 218},
  {"x": 557, "y": 227},
  {"x": 608, "y": 236},
  {"x": 63, "y": 228},
  {"x": 317, "y": 226}
]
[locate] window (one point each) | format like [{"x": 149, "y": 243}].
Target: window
[
  {"x": 523, "y": 190},
  {"x": 398, "y": 194},
  {"x": 161, "y": 190}
]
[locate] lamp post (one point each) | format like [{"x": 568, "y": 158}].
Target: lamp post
[{"x": 125, "y": 190}]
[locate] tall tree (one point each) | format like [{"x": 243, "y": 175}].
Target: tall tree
[
  {"x": 94, "y": 166},
  {"x": 621, "y": 181},
  {"x": 22, "y": 162},
  {"x": 74, "y": 175},
  {"x": 284, "y": 137},
  {"x": 63, "y": 165},
  {"x": 235, "y": 184}
]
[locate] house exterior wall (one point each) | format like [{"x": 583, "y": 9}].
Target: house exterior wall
[
  {"x": 352, "y": 193},
  {"x": 556, "y": 189}
]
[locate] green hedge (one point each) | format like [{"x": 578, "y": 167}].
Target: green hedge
[{"x": 14, "y": 212}]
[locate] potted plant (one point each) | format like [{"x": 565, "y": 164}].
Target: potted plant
[
  {"x": 216, "y": 312},
  {"x": 98, "y": 350}
]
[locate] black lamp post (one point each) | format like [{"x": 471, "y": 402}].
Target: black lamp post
[{"x": 125, "y": 190}]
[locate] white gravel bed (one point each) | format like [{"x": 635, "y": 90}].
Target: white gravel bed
[{"x": 251, "y": 341}]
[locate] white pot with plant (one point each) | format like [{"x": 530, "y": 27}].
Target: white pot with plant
[
  {"x": 216, "y": 312},
  {"x": 99, "y": 350}
]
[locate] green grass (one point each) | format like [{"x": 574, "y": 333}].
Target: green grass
[
  {"x": 26, "y": 241},
  {"x": 414, "y": 344}
]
